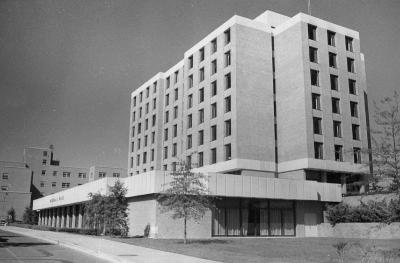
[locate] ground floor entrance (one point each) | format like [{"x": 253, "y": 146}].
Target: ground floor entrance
[{"x": 253, "y": 217}]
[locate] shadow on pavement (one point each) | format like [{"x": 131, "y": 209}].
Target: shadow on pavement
[{"x": 22, "y": 244}]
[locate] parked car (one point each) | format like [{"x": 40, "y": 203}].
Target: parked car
[{"x": 3, "y": 222}]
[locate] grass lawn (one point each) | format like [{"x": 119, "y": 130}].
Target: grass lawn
[{"x": 318, "y": 250}]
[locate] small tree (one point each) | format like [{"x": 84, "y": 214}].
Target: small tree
[
  {"x": 11, "y": 215},
  {"x": 29, "y": 216},
  {"x": 109, "y": 212},
  {"x": 187, "y": 196},
  {"x": 386, "y": 142}
]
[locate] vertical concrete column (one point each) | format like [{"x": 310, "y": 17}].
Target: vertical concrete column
[
  {"x": 80, "y": 215},
  {"x": 343, "y": 183},
  {"x": 45, "y": 217},
  {"x": 51, "y": 217},
  {"x": 58, "y": 216},
  {"x": 73, "y": 225},
  {"x": 40, "y": 218},
  {"x": 68, "y": 217},
  {"x": 54, "y": 217},
  {"x": 62, "y": 223}
]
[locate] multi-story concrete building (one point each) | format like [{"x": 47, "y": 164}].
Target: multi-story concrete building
[
  {"x": 15, "y": 188},
  {"x": 49, "y": 177},
  {"x": 273, "y": 110}
]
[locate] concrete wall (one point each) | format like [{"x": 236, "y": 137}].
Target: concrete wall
[
  {"x": 142, "y": 212},
  {"x": 360, "y": 230},
  {"x": 304, "y": 207}
]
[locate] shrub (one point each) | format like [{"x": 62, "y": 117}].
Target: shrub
[{"x": 371, "y": 211}]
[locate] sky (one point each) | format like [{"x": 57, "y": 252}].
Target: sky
[{"x": 67, "y": 68}]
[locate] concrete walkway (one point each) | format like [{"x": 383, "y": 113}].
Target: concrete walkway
[{"x": 106, "y": 249}]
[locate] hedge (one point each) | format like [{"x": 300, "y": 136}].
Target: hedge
[
  {"x": 54, "y": 229},
  {"x": 369, "y": 212}
]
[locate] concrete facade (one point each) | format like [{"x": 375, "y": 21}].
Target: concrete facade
[{"x": 15, "y": 188}]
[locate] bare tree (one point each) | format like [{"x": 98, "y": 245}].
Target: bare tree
[
  {"x": 187, "y": 196},
  {"x": 386, "y": 142}
]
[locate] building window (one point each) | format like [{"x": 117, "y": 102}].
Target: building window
[
  {"x": 152, "y": 154},
  {"x": 173, "y": 165},
  {"x": 213, "y": 132},
  {"x": 166, "y": 116},
  {"x": 318, "y": 150},
  {"x": 53, "y": 184},
  {"x": 141, "y": 96},
  {"x": 214, "y": 45},
  {"x": 5, "y": 176},
  {"x": 132, "y": 146},
  {"x": 228, "y": 81},
  {"x": 145, "y": 140},
  {"x": 54, "y": 173},
  {"x": 336, "y": 105},
  {"x": 174, "y": 150},
  {"x": 227, "y": 36},
  {"x": 81, "y": 175},
  {"x": 189, "y": 161},
  {"x": 153, "y": 120},
  {"x": 138, "y": 160},
  {"x": 201, "y": 74},
  {"x": 201, "y": 54},
  {"x": 175, "y": 130},
  {"x": 134, "y": 101},
  {"x": 337, "y": 129},
  {"x": 316, "y": 101},
  {"x": 201, "y": 116},
  {"x": 190, "y": 81},
  {"x": 190, "y": 101},
  {"x": 44, "y": 153},
  {"x": 228, "y": 128},
  {"x": 354, "y": 109},
  {"x": 138, "y": 144},
  {"x": 201, "y": 159},
  {"x": 190, "y": 62},
  {"x": 144, "y": 157},
  {"x": 5, "y": 188},
  {"x": 312, "y": 32},
  {"x": 213, "y": 88},
  {"x": 189, "y": 121},
  {"x": 201, "y": 95},
  {"x": 167, "y": 100},
  {"x": 228, "y": 104},
  {"x": 44, "y": 162},
  {"x": 352, "y": 87},
  {"x": 314, "y": 77},
  {"x": 189, "y": 142},
  {"x": 66, "y": 174},
  {"x": 165, "y": 167},
  {"x": 213, "y": 66},
  {"x": 331, "y": 38},
  {"x": 357, "y": 155},
  {"x": 131, "y": 162},
  {"x": 146, "y": 124},
  {"x": 334, "y": 82},
  {"x": 65, "y": 185},
  {"x": 201, "y": 137},
  {"x": 102, "y": 174},
  {"x": 227, "y": 58},
  {"x": 139, "y": 128},
  {"x": 147, "y": 92},
  {"x": 355, "y": 131},
  {"x": 317, "y": 122},
  {"x": 154, "y": 87},
  {"x": 176, "y": 77},
  {"x": 213, "y": 110},
  {"x": 134, "y": 116},
  {"x": 213, "y": 156},
  {"x": 176, "y": 94},
  {"x": 339, "y": 153},
  {"x": 228, "y": 152},
  {"x": 116, "y": 175},
  {"x": 313, "y": 54},
  {"x": 332, "y": 60},
  {"x": 41, "y": 184},
  {"x": 350, "y": 65},
  {"x": 147, "y": 107},
  {"x": 154, "y": 103},
  {"x": 165, "y": 134},
  {"x": 349, "y": 44},
  {"x": 153, "y": 137},
  {"x": 165, "y": 152},
  {"x": 175, "y": 112}
]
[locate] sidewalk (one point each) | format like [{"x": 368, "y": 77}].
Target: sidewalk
[{"x": 106, "y": 249}]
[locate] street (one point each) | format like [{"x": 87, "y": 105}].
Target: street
[{"x": 19, "y": 248}]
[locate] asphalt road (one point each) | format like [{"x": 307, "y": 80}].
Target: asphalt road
[{"x": 22, "y": 249}]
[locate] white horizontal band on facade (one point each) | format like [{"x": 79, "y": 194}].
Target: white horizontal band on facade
[{"x": 326, "y": 165}]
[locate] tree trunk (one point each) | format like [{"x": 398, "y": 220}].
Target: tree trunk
[{"x": 184, "y": 230}]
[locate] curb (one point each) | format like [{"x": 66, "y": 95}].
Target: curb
[{"x": 87, "y": 251}]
